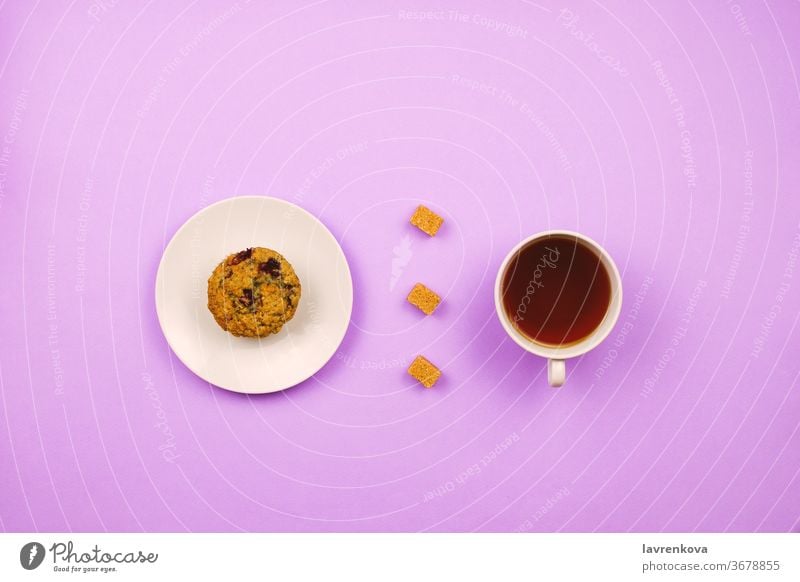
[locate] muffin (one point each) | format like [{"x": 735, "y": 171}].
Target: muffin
[{"x": 253, "y": 293}]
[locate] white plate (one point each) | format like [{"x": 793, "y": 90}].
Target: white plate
[{"x": 304, "y": 345}]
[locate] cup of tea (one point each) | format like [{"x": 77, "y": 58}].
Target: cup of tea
[{"x": 558, "y": 294}]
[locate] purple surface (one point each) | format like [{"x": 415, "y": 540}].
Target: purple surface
[{"x": 666, "y": 131}]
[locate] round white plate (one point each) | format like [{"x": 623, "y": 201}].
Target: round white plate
[{"x": 248, "y": 365}]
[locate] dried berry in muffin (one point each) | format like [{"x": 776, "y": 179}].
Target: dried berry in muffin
[
  {"x": 271, "y": 267},
  {"x": 240, "y": 256},
  {"x": 247, "y": 297}
]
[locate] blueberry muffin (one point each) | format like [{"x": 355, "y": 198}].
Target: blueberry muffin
[{"x": 253, "y": 293}]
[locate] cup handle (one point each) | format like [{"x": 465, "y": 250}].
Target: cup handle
[{"x": 556, "y": 372}]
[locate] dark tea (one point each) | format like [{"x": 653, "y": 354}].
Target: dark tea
[{"x": 556, "y": 290}]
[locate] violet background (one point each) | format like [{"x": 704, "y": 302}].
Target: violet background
[{"x": 119, "y": 120}]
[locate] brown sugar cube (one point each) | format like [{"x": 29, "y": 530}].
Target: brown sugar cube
[
  {"x": 423, "y": 298},
  {"x": 424, "y": 371},
  {"x": 426, "y": 220}
]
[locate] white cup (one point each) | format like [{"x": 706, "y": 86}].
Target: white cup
[{"x": 556, "y": 355}]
